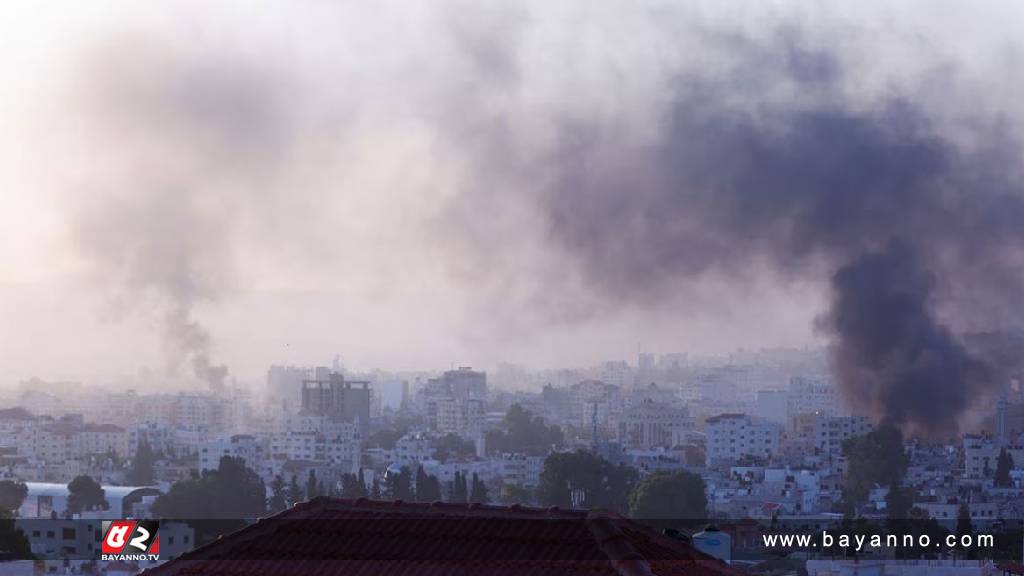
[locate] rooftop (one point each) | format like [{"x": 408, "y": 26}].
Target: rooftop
[{"x": 340, "y": 536}]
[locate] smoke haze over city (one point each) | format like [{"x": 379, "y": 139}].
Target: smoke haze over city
[
  {"x": 203, "y": 189},
  {"x": 513, "y": 286}
]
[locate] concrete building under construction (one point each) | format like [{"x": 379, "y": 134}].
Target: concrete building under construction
[{"x": 337, "y": 398}]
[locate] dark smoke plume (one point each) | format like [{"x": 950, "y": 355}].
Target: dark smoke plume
[
  {"x": 194, "y": 142},
  {"x": 918, "y": 231},
  {"x": 896, "y": 359}
]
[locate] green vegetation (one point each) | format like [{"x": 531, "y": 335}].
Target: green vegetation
[
  {"x": 874, "y": 459},
  {"x": 86, "y": 494},
  {"x": 1003, "y": 467},
  {"x": 478, "y": 491},
  {"x": 584, "y": 480},
  {"x": 12, "y": 495},
  {"x": 453, "y": 446},
  {"x": 141, "y": 472},
  {"x": 232, "y": 491},
  {"x": 525, "y": 433},
  {"x": 680, "y": 495}
]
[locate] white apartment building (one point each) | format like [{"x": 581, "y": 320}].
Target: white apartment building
[
  {"x": 104, "y": 438},
  {"x": 831, "y": 431},
  {"x": 161, "y": 438},
  {"x": 244, "y": 446},
  {"x": 412, "y": 449},
  {"x": 54, "y": 442},
  {"x": 617, "y": 373},
  {"x": 733, "y": 436},
  {"x": 592, "y": 400},
  {"x": 981, "y": 456},
  {"x": 812, "y": 396},
  {"x": 200, "y": 410},
  {"x": 464, "y": 417},
  {"x": 190, "y": 410},
  {"x": 951, "y": 511},
  {"x": 15, "y": 426},
  {"x": 521, "y": 470},
  {"x": 650, "y": 424},
  {"x": 340, "y": 450}
]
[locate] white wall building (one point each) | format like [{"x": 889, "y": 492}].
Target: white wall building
[
  {"x": 812, "y": 396},
  {"x": 650, "y": 424},
  {"x": 243, "y": 446},
  {"x": 521, "y": 470},
  {"x": 733, "y": 436},
  {"x": 981, "y": 456},
  {"x": 831, "y": 431}
]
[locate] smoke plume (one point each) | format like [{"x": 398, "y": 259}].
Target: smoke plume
[
  {"x": 190, "y": 145},
  {"x": 917, "y": 230},
  {"x": 560, "y": 174}
]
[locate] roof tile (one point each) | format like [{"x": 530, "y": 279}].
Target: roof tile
[{"x": 343, "y": 537}]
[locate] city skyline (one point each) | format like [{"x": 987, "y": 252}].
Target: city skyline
[{"x": 463, "y": 286}]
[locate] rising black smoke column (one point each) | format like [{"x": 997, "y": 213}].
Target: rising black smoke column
[
  {"x": 912, "y": 227},
  {"x": 891, "y": 355}
]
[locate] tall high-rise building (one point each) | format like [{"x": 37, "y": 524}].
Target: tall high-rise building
[
  {"x": 466, "y": 383},
  {"x": 337, "y": 398},
  {"x": 284, "y": 385},
  {"x": 454, "y": 402}
]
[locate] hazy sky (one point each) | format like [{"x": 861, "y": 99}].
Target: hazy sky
[{"x": 277, "y": 182}]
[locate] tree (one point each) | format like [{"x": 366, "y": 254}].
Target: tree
[
  {"x": 584, "y": 480},
  {"x": 375, "y": 491},
  {"x": 279, "y": 495},
  {"x": 874, "y": 459},
  {"x": 421, "y": 484},
  {"x": 353, "y": 485},
  {"x": 459, "y": 491},
  {"x": 232, "y": 491},
  {"x": 452, "y": 445},
  {"x": 84, "y": 493},
  {"x": 141, "y": 473},
  {"x": 478, "y": 492},
  {"x": 295, "y": 492},
  {"x": 681, "y": 495},
  {"x": 399, "y": 485},
  {"x": 312, "y": 490},
  {"x": 1003, "y": 467},
  {"x": 12, "y": 495},
  {"x": 525, "y": 433},
  {"x": 13, "y": 542},
  {"x": 432, "y": 489},
  {"x": 898, "y": 502},
  {"x": 963, "y": 520},
  {"x": 348, "y": 486},
  {"x": 360, "y": 489}
]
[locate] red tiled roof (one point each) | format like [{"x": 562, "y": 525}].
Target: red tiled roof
[{"x": 367, "y": 537}]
